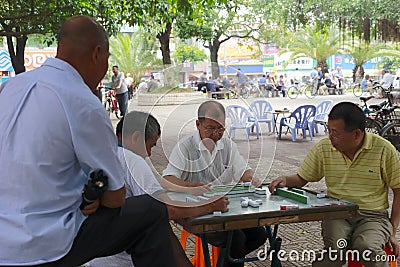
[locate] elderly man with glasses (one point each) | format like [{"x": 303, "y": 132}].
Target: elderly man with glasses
[{"x": 206, "y": 156}]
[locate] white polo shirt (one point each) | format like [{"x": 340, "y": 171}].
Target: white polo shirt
[
  {"x": 191, "y": 161},
  {"x": 53, "y": 132}
]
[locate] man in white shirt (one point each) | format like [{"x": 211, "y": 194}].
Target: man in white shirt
[
  {"x": 138, "y": 133},
  {"x": 387, "y": 81},
  {"x": 206, "y": 156},
  {"x": 53, "y": 133}
]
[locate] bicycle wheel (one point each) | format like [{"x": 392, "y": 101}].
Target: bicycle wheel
[
  {"x": 357, "y": 91},
  {"x": 308, "y": 91},
  {"x": 244, "y": 92},
  {"x": 293, "y": 92},
  {"x": 391, "y": 132},
  {"x": 372, "y": 126}
]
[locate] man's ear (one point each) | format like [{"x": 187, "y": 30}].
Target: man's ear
[
  {"x": 358, "y": 134},
  {"x": 197, "y": 124},
  {"x": 95, "y": 53},
  {"x": 136, "y": 137}
]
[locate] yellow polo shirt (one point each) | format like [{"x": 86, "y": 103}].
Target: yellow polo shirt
[{"x": 365, "y": 180}]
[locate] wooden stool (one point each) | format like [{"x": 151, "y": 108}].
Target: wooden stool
[
  {"x": 354, "y": 263},
  {"x": 198, "y": 259}
]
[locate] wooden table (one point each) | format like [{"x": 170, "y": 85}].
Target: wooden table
[{"x": 269, "y": 213}]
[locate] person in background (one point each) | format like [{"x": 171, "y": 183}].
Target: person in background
[
  {"x": 208, "y": 147},
  {"x": 241, "y": 81},
  {"x": 270, "y": 86},
  {"x": 262, "y": 82},
  {"x": 280, "y": 85},
  {"x": 46, "y": 163},
  {"x": 339, "y": 77},
  {"x": 314, "y": 80},
  {"x": 202, "y": 82},
  {"x": 366, "y": 85},
  {"x": 142, "y": 87},
  {"x": 138, "y": 132},
  {"x": 387, "y": 81},
  {"x": 121, "y": 91},
  {"x": 358, "y": 167},
  {"x": 152, "y": 84},
  {"x": 129, "y": 85}
]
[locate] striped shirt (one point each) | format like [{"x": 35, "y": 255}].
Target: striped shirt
[{"x": 364, "y": 181}]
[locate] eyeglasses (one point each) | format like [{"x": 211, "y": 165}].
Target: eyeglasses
[{"x": 214, "y": 130}]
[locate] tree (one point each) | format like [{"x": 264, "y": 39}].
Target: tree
[
  {"x": 21, "y": 18},
  {"x": 190, "y": 53},
  {"x": 221, "y": 22},
  {"x": 362, "y": 52},
  {"x": 134, "y": 53},
  {"x": 316, "y": 44}
]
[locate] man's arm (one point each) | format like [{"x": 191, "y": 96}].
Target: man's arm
[
  {"x": 395, "y": 219},
  {"x": 249, "y": 176},
  {"x": 174, "y": 184},
  {"x": 180, "y": 210},
  {"x": 290, "y": 181},
  {"x": 113, "y": 199}
]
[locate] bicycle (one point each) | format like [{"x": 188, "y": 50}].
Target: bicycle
[
  {"x": 391, "y": 132},
  {"x": 294, "y": 91},
  {"x": 248, "y": 89},
  {"x": 111, "y": 103},
  {"x": 378, "y": 115}
]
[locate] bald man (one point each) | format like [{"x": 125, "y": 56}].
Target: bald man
[{"x": 54, "y": 133}]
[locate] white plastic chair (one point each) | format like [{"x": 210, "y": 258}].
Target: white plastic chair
[
  {"x": 321, "y": 115},
  {"x": 262, "y": 111},
  {"x": 239, "y": 117}
]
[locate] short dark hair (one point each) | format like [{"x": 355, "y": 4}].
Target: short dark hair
[
  {"x": 211, "y": 108},
  {"x": 115, "y": 66},
  {"x": 350, "y": 113},
  {"x": 143, "y": 122}
]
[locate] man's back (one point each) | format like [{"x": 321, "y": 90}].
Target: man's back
[{"x": 42, "y": 158}]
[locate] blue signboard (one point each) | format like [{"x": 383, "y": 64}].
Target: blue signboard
[
  {"x": 5, "y": 62},
  {"x": 347, "y": 63}
]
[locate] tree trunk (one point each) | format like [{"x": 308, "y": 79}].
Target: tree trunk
[
  {"x": 163, "y": 38},
  {"x": 17, "y": 54},
  {"x": 169, "y": 73},
  {"x": 358, "y": 70},
  {"x": 214, "y": 47}
]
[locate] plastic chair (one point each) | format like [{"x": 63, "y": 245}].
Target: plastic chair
[
  {"x": 262, "y": 112},
  {"x": 354, "y": 263},
  {"x": 321, "y": 114},
  {"x": 239, "y": 117},
  {"x": 298, "y": 119},
  {"x": 198, "y": 258}
]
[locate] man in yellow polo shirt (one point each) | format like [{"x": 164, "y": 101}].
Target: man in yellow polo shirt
[{"x": 358, "y": 167}]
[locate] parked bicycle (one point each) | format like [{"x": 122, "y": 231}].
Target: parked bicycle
[
  {"x": 249, "y": 89},
  {"x": 295, "y": 90},
  {"x": 379, "y": 115},
  {"x": 391, "y": 132},
  {"x": 110, "y": 102}
]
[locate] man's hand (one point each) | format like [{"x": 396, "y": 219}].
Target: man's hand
[
  {"x": 393, "y": 245},
  {"x": 91, "y": 208},
  {"x": 279, "y": 182},
  {"x": 220, "y": 204}
]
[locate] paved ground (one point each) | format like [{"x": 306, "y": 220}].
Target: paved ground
[{"x": 268, "y": 156}]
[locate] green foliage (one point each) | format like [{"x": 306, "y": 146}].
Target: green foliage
[
  {"x": 314, "y": 43},
  {"x": 189, "y": 53},
  {"x": 134, "y": 53}
]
